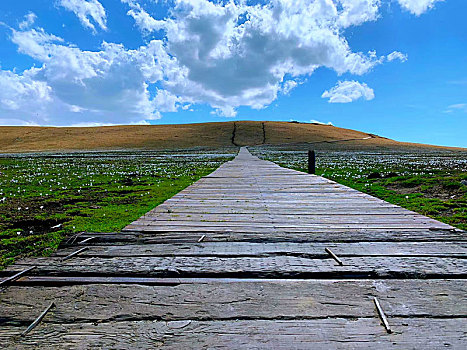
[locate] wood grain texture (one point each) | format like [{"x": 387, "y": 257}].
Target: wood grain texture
[
  {"x": 223, "y": 300},
  {"x": 309, "y": 236},
  {"x": 329, "y": 333},
  {"x": 310, "y": 250},
  {"x": 274, "y": 266}
]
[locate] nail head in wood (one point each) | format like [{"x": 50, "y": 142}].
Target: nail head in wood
[
  {"x": 38, "y": 319},
  {"x": 382, "y": 316},
  {"x": 334, "y": 256}
]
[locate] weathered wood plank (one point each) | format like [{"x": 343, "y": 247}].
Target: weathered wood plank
[
  {"x": 287, "y": 208},
  {"x": 269, "y": 228},
  {"x": 247, "y": 267},
  {"x": 218, "y": 300},
  {"x": 321, "y": 235},
  {"x": 311, "y": 250},
  {"x": 281, "y": 217},
  {"x": 335, "y": 333},
  {"x": 250, "y": 209},
  {"x": 283, "y": 221}
]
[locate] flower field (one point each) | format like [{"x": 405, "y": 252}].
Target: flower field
[{"x": 46, "y": 197}]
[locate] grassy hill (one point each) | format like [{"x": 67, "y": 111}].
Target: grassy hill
[{"x": 221, "y": 134}]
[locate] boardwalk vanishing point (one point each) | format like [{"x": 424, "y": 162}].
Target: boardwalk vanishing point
[{"x": 250, "y": 256}]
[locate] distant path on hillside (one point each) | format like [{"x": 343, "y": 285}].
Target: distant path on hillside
[{"x": 250, "y": 256}]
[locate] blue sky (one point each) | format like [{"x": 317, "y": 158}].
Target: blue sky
[{"x": 395, "y": 68}]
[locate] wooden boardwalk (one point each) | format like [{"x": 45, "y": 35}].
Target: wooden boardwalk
[{"x": 238, "y": 261}]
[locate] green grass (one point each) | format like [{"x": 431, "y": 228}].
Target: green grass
[
  {"x": 431, "y": 183},
  {"x": 414, "y": 193},
  {"x": 44, "y": 199}
]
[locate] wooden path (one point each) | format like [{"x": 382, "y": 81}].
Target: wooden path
[{"x": 238, "y": 261}]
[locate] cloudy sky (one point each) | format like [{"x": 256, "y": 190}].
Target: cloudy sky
[{"x": 396, "y": 68}]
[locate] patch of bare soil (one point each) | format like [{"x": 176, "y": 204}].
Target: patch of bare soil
[{"x": 435, "y": 191}]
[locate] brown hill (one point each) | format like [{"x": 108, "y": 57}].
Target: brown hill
[{"x": 222, "y": 134}]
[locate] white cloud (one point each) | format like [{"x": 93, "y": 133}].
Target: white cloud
[
  {"x": 356, "y": 12},
  {"x": 143, "y": 20},
  {"x": 396, "y": 55},
  {"x": 458, "y": 107},
  {"x": 348, "y": 91},
  {"x": 93, "y": 124},
  {"x": 165, "y": 101},
  {"x": 288, "y": 86},
  {"x": 232, "y": 54},
  {"x": 320, "y": 123},
  {"x": 417, "y": 7},
  {"x": 87, "y": 10},
  {"x": 225, "y": 54},
  {"x": 28, "y": 21},
  {"x": 23, "y": 100},
  {"x": 110, "y": 85}
]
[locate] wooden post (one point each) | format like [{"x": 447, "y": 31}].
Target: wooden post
[{"x": 311, "y": 162}]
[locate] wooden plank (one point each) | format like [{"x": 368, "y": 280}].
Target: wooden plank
[
  {"x": 248, "y": 267},
  {"x": 270, "y": 228},
  {"x": 244, "y": 220},
  {"x": 317, "y": 209},
  {"x": 131, "y": 234},
  {"x": 409, "y": 333},
  {"x": 218, "y": 299},
  {"x": 310, "y": 250},
  {"x": 251, "y": 209},
  {"x": 272, "y": 197},
  {"x": 163, "y": 214},
  {"x": 252, "y": 199}
]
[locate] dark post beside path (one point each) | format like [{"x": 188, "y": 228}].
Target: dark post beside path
[{"x": 311, "y": 162}]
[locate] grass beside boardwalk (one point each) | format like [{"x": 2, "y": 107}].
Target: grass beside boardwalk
[
  {"x": 430, "y": 183},
  {"x": 44, "y": 198}
]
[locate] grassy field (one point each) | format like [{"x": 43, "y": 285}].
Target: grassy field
[
  {"x": 44, "y": 198},
  {"x": 431, "y": 183}
]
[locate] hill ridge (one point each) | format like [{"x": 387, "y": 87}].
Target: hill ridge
[{"x": 19, "y": 139}]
